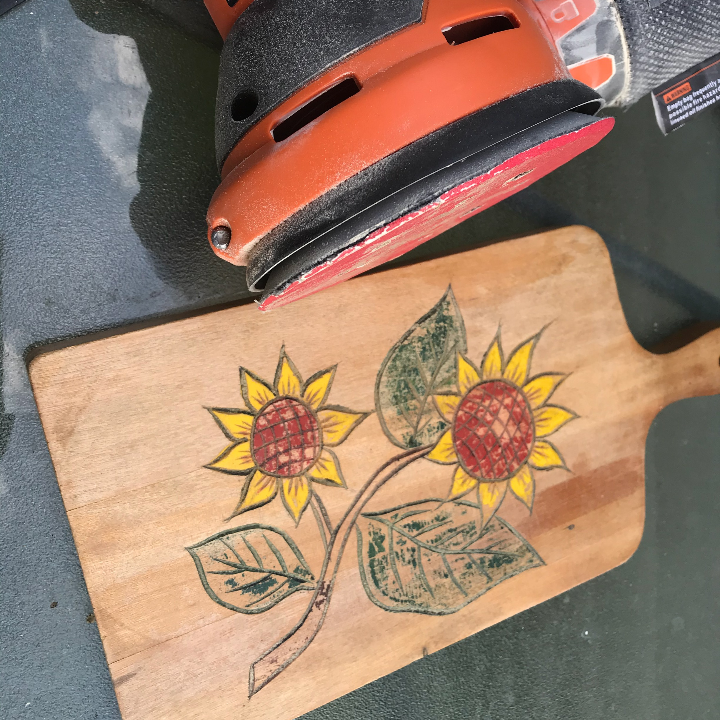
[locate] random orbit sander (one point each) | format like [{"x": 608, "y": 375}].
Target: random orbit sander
[{"x": 350, "y": 131}]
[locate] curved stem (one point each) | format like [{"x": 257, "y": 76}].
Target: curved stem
[
  {"x": 271, "y": 663},
  {"x": 324, "y": 513},
  {"x": 315, "y": 504}
]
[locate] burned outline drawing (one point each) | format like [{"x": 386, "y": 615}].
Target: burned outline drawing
[{"x": 488, "y": 422}]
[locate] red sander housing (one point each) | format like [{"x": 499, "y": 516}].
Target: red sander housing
[{"x": 350, "y": 131}]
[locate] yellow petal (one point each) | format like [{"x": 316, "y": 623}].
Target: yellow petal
[
  {"x": 541, "y": 387},
  {"x": 550, "y": 418},
  {"x": 296, "y": 496},
  {"x": 254, "y": 390},
  {"x": 491, "y": 495},
  {"x": 234, "y": 459},
  {"x": 462, "y": 483},
  {"x": 287, "y": 378},
  {"x": 234, "y": 423},
  {"x": 259, "y": 490},
  {"x": 326, "y": 470},
  {"x": 492, "y": 364},
  {"x": 523, "y": 486},
  {"x": 518, "y": 365},
  {"x": 446, "y": 405},
  {"x": 337, "y": 423},
  {"x": 468, "y": 376},
  {"x": 444, "y": 450},
  {"x": 317, "y": 388},
  {"x": 545, "y": 456}
]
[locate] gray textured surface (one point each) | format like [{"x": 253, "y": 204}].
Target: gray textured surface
[
  {"x": 106, "y": 164},
  {"x": 665, "y": 38}
]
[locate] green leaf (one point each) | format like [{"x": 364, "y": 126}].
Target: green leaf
[
  {"x": 432, "y": 557},
  {"x": 421, "y": 364},
  {"x": 250, "y": 569}
]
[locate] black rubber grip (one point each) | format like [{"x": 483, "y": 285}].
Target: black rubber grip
[
  {"x": 665, "y": 38},
  {"x": 277, "y": 47}
]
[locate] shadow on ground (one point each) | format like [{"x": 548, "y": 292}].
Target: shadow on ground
[{"x": 179, "y": 50}]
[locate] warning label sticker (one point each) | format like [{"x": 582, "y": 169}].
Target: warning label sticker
[{"x": 688, "y": 94}]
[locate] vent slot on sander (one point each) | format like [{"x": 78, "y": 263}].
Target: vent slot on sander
[
  {"x": 318, "y": 106},
  {"x": 480, "y": 27}
]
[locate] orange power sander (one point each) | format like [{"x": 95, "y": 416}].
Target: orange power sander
[{"x": 350, "y": 131}]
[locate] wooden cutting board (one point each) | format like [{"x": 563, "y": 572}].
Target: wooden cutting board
[{"x": 400, "y": 462}]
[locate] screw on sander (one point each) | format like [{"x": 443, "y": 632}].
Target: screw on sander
[{"x": 220, "y": 237}]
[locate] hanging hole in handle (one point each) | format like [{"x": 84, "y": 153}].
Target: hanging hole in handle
[{"x": 480, "y": 27}]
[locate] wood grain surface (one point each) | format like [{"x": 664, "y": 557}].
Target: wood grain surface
[{"x": 190, "y": 633}]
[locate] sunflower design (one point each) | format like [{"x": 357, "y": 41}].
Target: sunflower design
[
  {"x": 498, "y": 425},
  {"x": 283, "y": 440}
]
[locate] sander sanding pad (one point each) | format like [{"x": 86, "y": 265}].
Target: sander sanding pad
[{"x": 500, "y": 171}]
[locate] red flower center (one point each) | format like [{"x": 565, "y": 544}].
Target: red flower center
[
  {"x": 286, "y": 438},
  {"x": 493, "y": 431}
]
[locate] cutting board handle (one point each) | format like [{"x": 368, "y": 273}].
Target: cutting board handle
[{"x": 694, "y": 370}]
